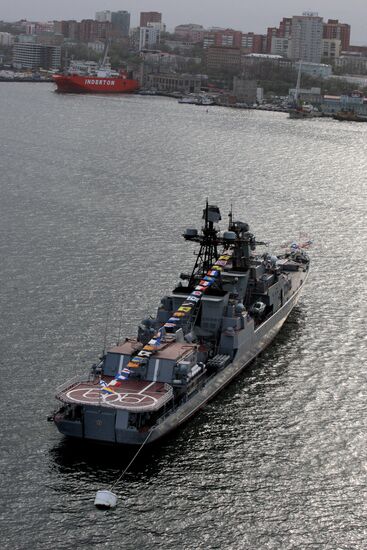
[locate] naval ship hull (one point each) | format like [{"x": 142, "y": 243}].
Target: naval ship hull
[{"x": 251, "y": 346}]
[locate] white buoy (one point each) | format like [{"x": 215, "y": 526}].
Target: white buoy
[{"x": 105, "y": 499}]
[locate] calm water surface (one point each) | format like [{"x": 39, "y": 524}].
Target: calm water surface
[{"x": 95, "y": 194}]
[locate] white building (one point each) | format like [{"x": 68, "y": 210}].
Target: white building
[
  {"x": 318, "y": 70},
  {"x": 331, "y": 48},
  {"x": 353, "y": 64},
  {"x": 36, "y": 56},
  {"x": 280, "y": 46},
  {"x": 307, "y": 32},
  {"x": 148, "y": 37},
  {"x": 97, "y": 47},
  {"x": 6, "y": 39}
]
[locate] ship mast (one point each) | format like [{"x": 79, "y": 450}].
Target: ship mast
[
  {"x": 208, "y": 240},
  {"x": 298, "y": 85},
  {"x": 105, "y": 53}
]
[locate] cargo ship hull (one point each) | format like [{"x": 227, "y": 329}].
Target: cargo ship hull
[{"x": 78, "y": 84}]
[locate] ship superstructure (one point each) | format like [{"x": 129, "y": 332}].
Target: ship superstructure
[{"x": 214, "y": 323}]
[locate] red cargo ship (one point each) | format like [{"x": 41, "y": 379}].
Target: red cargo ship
[
  {"x": 112, "y": 84},
  {"x": 88, "y": 77}
]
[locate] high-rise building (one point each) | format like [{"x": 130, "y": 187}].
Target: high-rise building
[
  {"x": 190, "y": 32},
  {"x": 337, "y": 31},
  {"x": 103, "y": 16},
  {"x": 69, "y": 29},
  {"x": 148, "y": 37},
  {"x": 279, "y": 46},
  {"x": 121, "y": 22},
  {"x": 283, "y": 31},
  {"x": 91, "y": 30},
  {"x": 253, "y": 43},
  {"x": 228, "y": 38},
  {"x": 306, "y": 42},
  {"x": 150, "y": 17}
]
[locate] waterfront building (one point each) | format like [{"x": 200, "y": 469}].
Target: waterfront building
[
  {"x": 172, "y": 82},
  {"x": 36, "y": 56},
  {"x": 150, "y": 17},
  {"x": 355, "y": 101},
  {"x": 337, "y": 31},
  {"x": 244, "y": 89},
  {"x": 311, "y": 95}
]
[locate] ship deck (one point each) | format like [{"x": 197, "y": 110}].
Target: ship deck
[{"x": 132, "y": 395}]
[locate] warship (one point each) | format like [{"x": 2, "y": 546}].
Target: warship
[{"x": 206, "y": 331}]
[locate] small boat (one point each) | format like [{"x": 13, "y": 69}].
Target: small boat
[
  {"x": 304, "y": 110},
  {"x": 300, "y": 109},
  {"x": 189, "y": 99},
  {"x": 349, "y": 115}
]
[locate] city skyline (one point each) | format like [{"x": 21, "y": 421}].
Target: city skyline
[{"x": 256, "y": 17}]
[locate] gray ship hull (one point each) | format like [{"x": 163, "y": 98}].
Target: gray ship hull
[
  {"x": 203, "y": 336},
  {"x": 252, "y": 346},
  {"x": 260, "y": 339}
]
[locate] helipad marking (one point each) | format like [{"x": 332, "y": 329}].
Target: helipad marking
[{"x": 93, "y": 396}]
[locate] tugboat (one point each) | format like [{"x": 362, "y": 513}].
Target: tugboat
[
  {"x": 206, "y": 331},
  {"x": 350, "y": 115}
]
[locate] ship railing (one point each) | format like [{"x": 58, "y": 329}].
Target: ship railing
[{"x": 70, "y": 383}]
